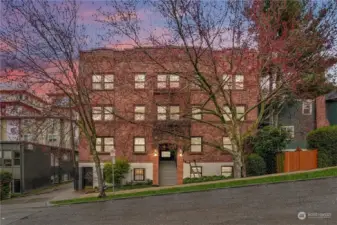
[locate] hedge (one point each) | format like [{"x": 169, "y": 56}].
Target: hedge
[
  {"x": 5, "y": 180},
  {"x": 255, "y": 165},
  {"x": 324, "y": 139},
  {"x": 203, "y": 179}
]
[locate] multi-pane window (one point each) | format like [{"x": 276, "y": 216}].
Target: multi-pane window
[
  {"x": 196, "y": 113},
  {"x": 290, "y": 130},
  {"x": 139, "y": 144},
  {"x": 17, "y": 158},
  {"x": 196, "y": 171},
  {"x": 7, "y": 158},
  {"x": 226, "y": 171},
  {"x": 103, "y": 82},
  {"x": 240, "y": 111},
  {"x": 140, "y": 81},
  {"x": 162, "y": 111},
  {"x": 167, "y": 81},
  {"x": 52, "y": 138},
  {"x": 102, "y": 113},
  {"x": 233, "y": 82},
  {"x": 196, "y": 144},
  {"x": 307, "y": 107},
  {"x": 139, "y": 174},
  {"x": 139, "y": 113},
  {"x": 105, "y": 144},
  {"x": 227, "y": 143},
  {"x": 27, "y": 137},
  {"x": 174, "y": 112}
]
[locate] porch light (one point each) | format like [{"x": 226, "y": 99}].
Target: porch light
[
  {"x": 180, "y": 153},
  {"x": 155, "y": 152}
]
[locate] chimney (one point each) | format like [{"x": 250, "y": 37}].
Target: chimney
[{"x": 321, "y": 120}]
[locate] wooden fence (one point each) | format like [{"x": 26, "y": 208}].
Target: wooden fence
[{"x": 297, "y": 160}]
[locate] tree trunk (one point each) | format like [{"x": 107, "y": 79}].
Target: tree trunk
[
  {"x": 99, "y": 174},
  {"x": 237, "y": 159},
  {"x": 244, "y": 171}
]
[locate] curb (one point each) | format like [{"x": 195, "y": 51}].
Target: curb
[{"x": 188, "y": 192}]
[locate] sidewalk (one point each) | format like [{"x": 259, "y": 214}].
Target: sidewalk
[{"x": 193, "y": 184}]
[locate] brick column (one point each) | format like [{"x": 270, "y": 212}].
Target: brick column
[
  {"x": 180, "y": 167},
  {"x": 321, "y": 120},
  {"x": 155, "y": 161}
]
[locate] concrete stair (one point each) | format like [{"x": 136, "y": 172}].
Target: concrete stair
[{"x": 167, "y": 173}]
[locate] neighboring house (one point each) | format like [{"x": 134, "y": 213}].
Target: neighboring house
[
  {"x": 34, "y": 144},
  {"x": 149, "y": 102},
  {"x": 303, "y": 116}
]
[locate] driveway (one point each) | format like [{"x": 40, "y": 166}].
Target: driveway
[
  {"x": 276, "y": 204},
  {"x": 18, "y": 208}
]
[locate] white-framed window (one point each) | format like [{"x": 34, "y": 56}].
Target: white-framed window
[
  {"x": 226, "y": 171},
  {"x": 240, "y": 111},
  {"x": 27, "y": 137},
  {"x": 103, "y": 113},
  {"x": 140, "y": 81},
  {"x": 161, "y": 112},
  {"x": 168, "y": 81},
  {"x": 227, "y": 143},
  {"x": 196, "y": 113},
  {"x": 139, "y": 113},
  {"x": 174, "y": 112},
  {"x": 290, "y": 129},
  {"x": 196, "y": 171},
  {"x": 307, "y": 107},
  {"x": 52, "y": 138},
  {"x": 138, "y": 174},
  {"x": 105, "y": 144},
  {"x": 139, "y": 145},
  {"x": 103, "y": 82},
  {"x": 233, "y": 81},
  {"x": 196, "y": 144}
]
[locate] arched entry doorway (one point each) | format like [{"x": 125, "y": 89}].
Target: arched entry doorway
[{"x": 167, "y": 164}]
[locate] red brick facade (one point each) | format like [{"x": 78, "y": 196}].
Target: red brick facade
[
  {"x": 124, "y": 97},
  {"x": 321, "y": 116}
]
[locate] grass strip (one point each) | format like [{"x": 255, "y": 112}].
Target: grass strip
[{"x": 330, "y": 172}]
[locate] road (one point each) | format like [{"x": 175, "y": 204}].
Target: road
[
  {"x": 17, "y": 208},
  {"x": 276, "y": 204}
]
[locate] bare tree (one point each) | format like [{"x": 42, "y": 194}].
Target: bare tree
[
  {"x": 43, "y": 40},
  {"x": 217, "y": 40}
]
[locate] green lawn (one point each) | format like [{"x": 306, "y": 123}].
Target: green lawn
[{"x": 329, "y": 172}]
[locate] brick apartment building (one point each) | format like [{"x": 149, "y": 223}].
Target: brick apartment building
[
  {"x": 137, "y": 105},
  {"x": 35, "y": 144}
]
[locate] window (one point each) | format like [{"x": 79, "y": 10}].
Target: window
[
  {"x": 196, "y": 144},
  {"x": 195, "y": 83},
  {"x": 140, "y": 81},
  {"x": 196, "y": 171},
  {"x": 161, "y": 112},
  {"x": 139, "y": 144},
  {"x": 105, "y": 144},
  {"x": 240, "y": 111},
  {"x": 168, "y": 81},
  {"x": 233, "y": 82},
  {"x": 139, "y": 174},
  {"x": 140, "y": 113},
  {"x": 227, "y": 142},
  {"x": 102, "y": 113},
  {"x": 290, "y": 129},
  {"x": 196, "y": 113},
  {"x": 226, "y": 171},
  {"x": 65, "y": 157},
  {"x": 27, "y": 137},
  {"x": 52, "y": 137},
  {"x": 103, "y": 82},
  {"x": 307, "y": 107},
  {"x": 16, "y": 158},
  {"x": 174, "y": 112}
]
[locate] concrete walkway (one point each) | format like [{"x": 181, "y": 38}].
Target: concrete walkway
[{"x": 83, "y": 195}]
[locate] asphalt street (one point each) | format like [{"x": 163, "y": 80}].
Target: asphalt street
[{"x": 276, "y": 204}]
